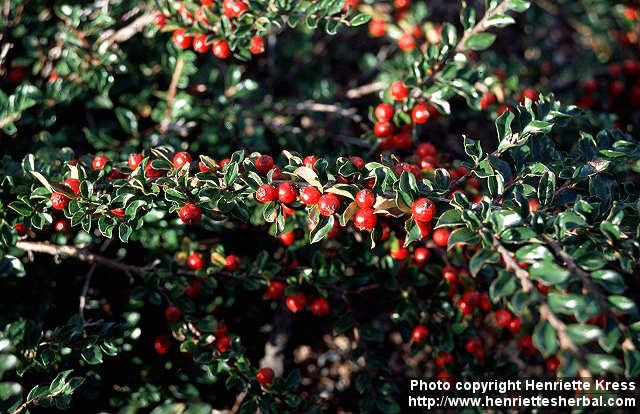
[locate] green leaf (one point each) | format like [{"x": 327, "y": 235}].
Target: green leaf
[
  {"x": 549, "y": 272},
  {"x": 320, "y": 231},
  {"x": 463, "y": 236},
  {"x": 480, "y": 41},
  {"x": 360, "y": 19},
  {"x": 504, "y": 285},
  {"x": 581, "y": 334},
  {"x": 544, "y": 339}
]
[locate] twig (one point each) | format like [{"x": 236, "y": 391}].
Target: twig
[
  {"x": 171, "y": 93},
  {"x": 122, "y": 35},
  {"x": 85, "y": 289},
  {"x": 364, "y": 90}
]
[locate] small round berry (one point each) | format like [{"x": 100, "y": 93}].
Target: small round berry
[
  {"x": 266, "y": 193},
  {"x": 421, "y": 255},
  {"x": 420, "y": 113},
  {"x": 514, "y": 324},
  {"x": 384, "y": 112},
  {"x": 275, "y": 290},
  {"x": 151, "y": 172},
  {"x": 503, "y": 317},
  {"x": 231, "y": 263},
  {"x": 403, "y": 141},
  {"x": 182, "y": 40},
  {"x": 441, "y": 237},
  {"x": 296, "y": 303},
  {"x": 419, "y": 334},
  {"x": 552, "y": 364},
  {"x": 377, "y": 27},
  {"x": 200, "y": 15},
  {"x": 257, "y": 45},
  {"x": 190, "y": 214},
  {"x": 357, "y": 162},
  {"x": 287, "y": 193},
  {"x": 223, "y": 343},
  {"x": 365, "y": 219},
  {"x": 234, "y": 8},
  {"x": 399, "y": 252},
  {"x": 265, "y": 376},
  {"x": 399, "y": 90},
  {"x": 172, "y": 313},
  {"x": 61, "y": 226},
  {"x": 200, "y": 43},
  {"x": 159, "y": 19},
  {"x": 59, "y": 201},
  {"x": 320, "y": 307},
  {"x": 99, "y": 162},
  {"x": 181, "y": 158},
  {"x": 443, "y": 359},
  {"x": 472, "y": 345},
  {"x": 204, "y": 168},
  {"x": 162, "y": 345},
  {"x": 487, "y": 99},
  {"x": 406, "y": 42},
  {"x": 310, "y": 195},
  {"x": 118, "y": 212},
  {"x": 287, "y": 238},
  {"x": 530, "y": 94},
  {"x": 423, "y": 210},
  {"x": 221, "y": 49},
  {"x": 195, "y": 261},
  {"x": 264, "y": 164},
  {"x": 533, "y": 205},
  {"x": 73, "y": 184},
  {"x": 365, "y": 198},
  {"x": 21, "y": 229},
  {"x": 425, "y": 149},
  {"x": 134, "y": 160},
  {"x": 383, "y": 129},
  {"x": 450, "y": 274},
  {"x": 350, "y": 4},
  {"x": 310, "y": 161},
  {"x": 328, "y": 204},
  {"x": 194, "y": 289}
]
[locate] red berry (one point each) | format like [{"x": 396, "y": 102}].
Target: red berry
[
  {"x": 514, "y": 324},
  {"x": 231, "y": 263},
  {"x": 425, "y": 149},
  {"x": 377, "y": 27},
  {"x": 365, "y": 219},
  {"x": 264, "y": 164},
  {"x": 287, "y": 238},
  {"x": 21, "y": 229},
  {"x": 190, "y": 214},
  {"x": 420, "y": 113},
  {"x": 399, "y": 252},
  {"x": 257, "y": 45},
  {"x": 221, "y": 49},
  {"x": 266, "y": 193},
  {"x": 182, "y": 40},
  {"x": 423, "y": 210},
  {"x": 61, "y": 226},
  {"x": 406, "y": 42},
  {"x": 382, "y": 129},
  {"x": 310, "y": 161},
  {"x": 526, "y": 345},
  {"x": 444, "y": 359},
  {"x": 287, "y": 193},
  {"x": 533, "y": 205},
  {"x": 234, "y": 8},
  {"x": 200, "y": 15},
  {"x": 350, "y": 4},
  {"x": 450, "y": 274},
  {"x": 223, "y": 343},
  {"x": 296, "y": 303},
  {"x": 552, "y": 364},
  {"x": 194, "y": 289},
  {"x": 419, "y": 334},
  {"x": 328, "y": 204},
  {"x": 275, "y": 290},
  {"x": 403, "y": 141},
  {"x": 365, "y": 198},
  {"x": 58, "y": 201},
  {"x": 181, "y": 158},
  {"x": 265, "y": 376},
  {"x": 162, "y": 344},
  {"x": 99, "y": 162},
  {"x": 172, "y": 313},
  {"x": 399, "y": 91},
  {"x": 310, "y": 195},
  {"x": 221, "y": 330},
  {"x": 503, "y": 317},
  {"x": 159, "y": 19},
  {"x": 487, "y": 99},
  {"x": 195, "y": 261},
  {"x": 473, "y": 345},
  {"x": 200, "y": 43},
  {"x": 320, "y": 307},
  {"x": 119, "y": 212},
  {"x": 421, "y": 255},
  {"x": 357, "y": 162},
  {"x": 203, "y": 168},
  {"x": 151, "y": 172},
  {"x": 529, "y": 93},
  {"x": 441, "y": 237},
  {"x": 384, "y": 112},
  {"x": 134, "y": 160},
  {"x": 73, "y": 184}
]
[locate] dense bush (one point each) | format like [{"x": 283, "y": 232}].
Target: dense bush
[{"x": 294, "y": 206}]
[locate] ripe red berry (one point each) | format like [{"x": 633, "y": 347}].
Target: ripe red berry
[
  {"x": 194, "y": 289},
  {"x": 310, "y": 161},
  {"x": 503, "y": 317},
  {"x": 223, "y": 343},
  {"x": 151, "y": 172},
  {"x": 190, "y": 214},
  {"x": 99, "y": 162},
  {"x": 377, "y": 27},
  {"x": 357, "y": 162},
  {"x": 195, "y": 261},
  {"x": 487, "y": 99},
  {"x": 287, "y": 193},
  {"x": 119, "y": 212},
  {"x": 266, "y": 193},
  {"x": 420, "y": 113},
  {"x": 61, "y": 226},
  {"x": 444, "y": 359},
  {"x": 200, "y": 15},
  {"x": 328, "y": 204},
  {"x": 181, "y": 158},
  {"x": 21, "y": 229},
  {"x": 425, "y": 228},
  {"x": 231, "y": 263},
  {"x": 320, "y": 307},
  {"x": 399, "y": 91},
  {"x": 257, "y": 45},
  {"x": 421, "y": 255},
  {"x": 264, "y": 164},
  {"x": 425, "y": 149},
  {"x": 384, "y": 112},
  {"x": 287, "y": 238},
  {"x": 310, "y": 195},
  {"x": 350, "y": 4},
  {"x": 73, "y": 184},
  {"x": 514, "y": 324},
  {"x": 406, "y": 42},
  {"x": 419, "y": 334},
  {"x": 441, "y": 237},
  {"x": 365, "y": 219},
  {"x": 382, "y": 129},
  {"x": 58, "y": 201},
  {"x": 423, "y": 210},
  {"x": 472, "y": 345},
  {"x": 533, "y": 205},
  {"x": 172, "y": 313},
  {"x": 403, "y": 141},
  {"x": 296, "y": 303},
  {"x": 450, "y": 274},
  {"x": 265, "y": 376},
  {"x": 203, "y": 168},
  {"x": 275, "y": 290},
  {"x": 525, "y": 343},
  {"x": 221, "y": 49},
  {"x": 162, "y": 344},
  {"x": 134, "y": 160},
  {"x": 399, "y": 252},
  {"x": 200, "y": 43},
  {"x": 159, "y": 19},
  {"x": 552, "y": 364},
  {"x": 365, "y": 198},
  {"x": 234, "y": 8},
  {"x": 182, "y": 40},
  {"x": 529, "y": 93}
]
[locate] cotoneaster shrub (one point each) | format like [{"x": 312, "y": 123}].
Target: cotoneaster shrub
[{"x": 295, "y": 206}]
